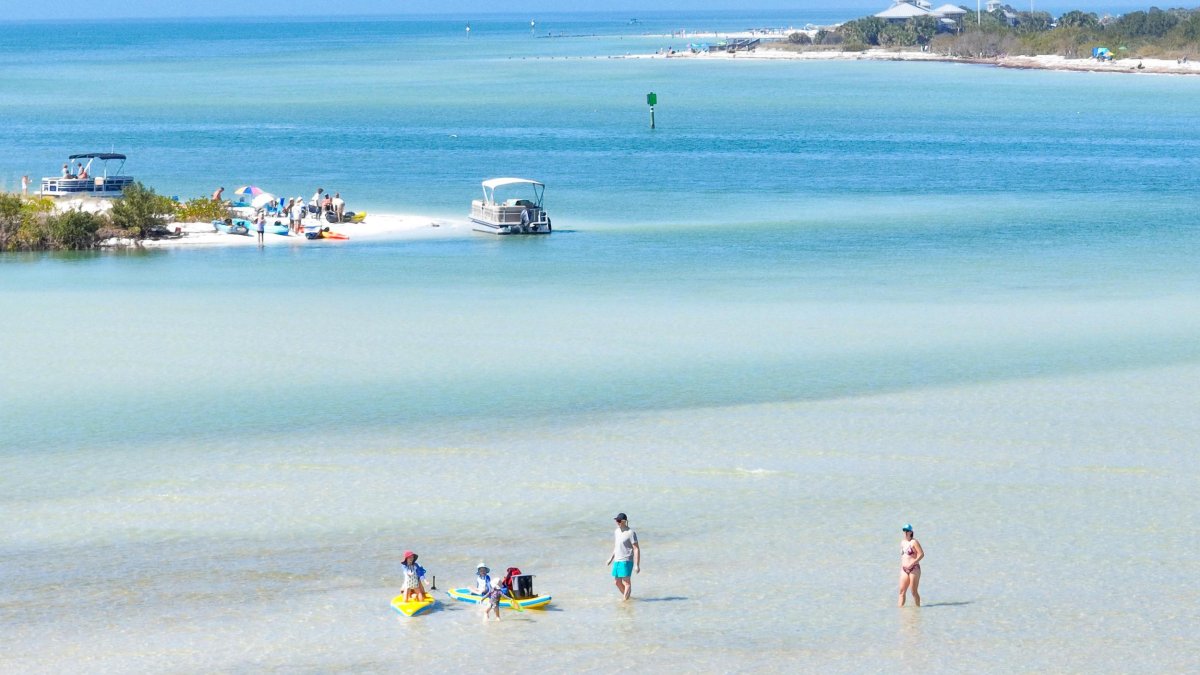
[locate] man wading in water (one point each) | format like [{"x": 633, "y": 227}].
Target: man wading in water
[{"x": 626, "y": 557}]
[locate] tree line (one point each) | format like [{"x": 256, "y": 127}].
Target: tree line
[{"x": 1169, "y": 33}]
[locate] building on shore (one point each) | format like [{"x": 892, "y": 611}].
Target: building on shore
[{"x": 947, "y": 15}]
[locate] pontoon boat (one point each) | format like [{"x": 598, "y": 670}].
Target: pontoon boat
[
  {"x": 90, "y": 182},
  {"x": 514, "y": 215}
]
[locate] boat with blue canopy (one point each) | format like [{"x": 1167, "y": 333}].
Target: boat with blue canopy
[{"x": 87, "y": 175}]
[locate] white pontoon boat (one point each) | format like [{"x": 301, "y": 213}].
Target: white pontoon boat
[
  {"x": 514, "y": 214},
  {"x": 90, "y": 182}
]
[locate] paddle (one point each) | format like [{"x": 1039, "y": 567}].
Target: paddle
[
  {"x": 512, "y": 597},
  {"x": 515, "y": 604}
]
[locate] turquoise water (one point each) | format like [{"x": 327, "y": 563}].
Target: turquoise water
[{"x": 819, "y": 300}]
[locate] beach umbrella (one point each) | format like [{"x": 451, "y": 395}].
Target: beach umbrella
[
  {"x": 262, "y": 199},
  {"x": 248, "y": 191}
]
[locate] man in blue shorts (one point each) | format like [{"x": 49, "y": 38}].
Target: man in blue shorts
[{"x": 627, "y": 556}]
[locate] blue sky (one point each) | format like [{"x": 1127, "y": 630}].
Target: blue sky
[{"x": 92, "y": 9}]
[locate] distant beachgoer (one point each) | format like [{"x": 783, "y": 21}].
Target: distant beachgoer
[
  {"x": 339, "y": 205},
  {"x": 327, "y": 204},
  {"x": 260, "y": 224},
  {"x": 911, "y": 554},
  {"x": 414, "y": 588},
  {"x": 217, "y": 194},
  {"x": 626, "y": 557},
  {"x": 316, "y": 201},
  {"x": 25, "y": 184},
  {"x": 298, "y": 214}
]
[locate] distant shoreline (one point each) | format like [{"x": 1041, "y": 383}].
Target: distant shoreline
[{"x": 1043, "y": 62}]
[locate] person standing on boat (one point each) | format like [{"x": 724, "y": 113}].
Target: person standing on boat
[
  {"x": 66, "y": 171},
  {"x": 626, "y": 557},
  {"x": 911, "y": 554}
]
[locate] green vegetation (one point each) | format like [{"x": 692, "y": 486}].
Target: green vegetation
[
  {"x": 202, "y": 210},
  {"x": 25, "y": 224},
  {"x": 31, "y": 223},
  {"x": 140, "y": 210},
  {"x": 1171, "y": 33},
  {"x": 74, "y": 230}
]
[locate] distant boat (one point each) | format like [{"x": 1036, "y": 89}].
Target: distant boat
[
  {"x": 634, "y": 22},
  {"x": 89, "y": 183},
  {"x": 513, "y": 215}
]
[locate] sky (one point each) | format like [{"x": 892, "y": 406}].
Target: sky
[{"x": 16, "y": 10}]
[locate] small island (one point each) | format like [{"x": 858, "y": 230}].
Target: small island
[{"x": 1153, "y": 41}]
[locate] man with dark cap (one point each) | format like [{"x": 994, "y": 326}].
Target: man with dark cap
[{"x": 626, "y": 557}]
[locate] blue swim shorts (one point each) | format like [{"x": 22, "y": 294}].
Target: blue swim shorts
[{"x": 622, "y": 569}]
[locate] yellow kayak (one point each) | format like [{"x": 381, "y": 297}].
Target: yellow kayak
[
  {"x": 413, "y": 607},
  {"x": 465, "y": 595}
]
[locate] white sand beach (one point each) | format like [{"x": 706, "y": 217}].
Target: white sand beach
[
  {"x": 1042, "y": 62},
  {"x": 374, "y": 226}
]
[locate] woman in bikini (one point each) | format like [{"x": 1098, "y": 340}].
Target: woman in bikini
[{"x": 910, "y": 565}]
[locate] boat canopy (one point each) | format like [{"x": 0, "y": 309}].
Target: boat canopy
[
  {"x": 489, "y": 188},
  {"x": 98, "y": 155},
  {"x": 501, "y": 182},
  {"x": 105, "y": 156}
]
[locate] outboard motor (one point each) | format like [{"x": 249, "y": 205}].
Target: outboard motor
[{"x": 522, "y": 585}]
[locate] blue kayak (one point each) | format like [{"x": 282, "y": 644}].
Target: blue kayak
[{"x": 233, "y": 226}]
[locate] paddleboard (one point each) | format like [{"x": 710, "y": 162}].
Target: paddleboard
[
  {"x": 413, "y": 607},
  {"x": 465, "y": 595}
]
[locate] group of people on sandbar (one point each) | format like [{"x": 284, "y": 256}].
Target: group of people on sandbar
[
  {"x": 295, "y": 209},
  {"x": 626, "y": 560}
]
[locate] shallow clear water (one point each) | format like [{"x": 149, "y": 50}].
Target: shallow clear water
[{"x": 818, "y": 301}]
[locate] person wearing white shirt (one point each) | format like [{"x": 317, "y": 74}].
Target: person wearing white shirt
[
  {"x": 339, "y": 205},
  {"x": 626, "y": 557},
  {"x": 483, "y": 581}
]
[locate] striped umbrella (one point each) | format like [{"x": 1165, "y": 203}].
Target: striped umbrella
[{"x": 248, "y": 191}]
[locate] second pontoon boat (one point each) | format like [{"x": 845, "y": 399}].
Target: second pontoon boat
[{"x": 510, "y": 214}]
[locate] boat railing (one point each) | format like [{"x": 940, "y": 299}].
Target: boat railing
[
  {"x": 504, "y": 214},
  {"x": 98, "y": 184}
]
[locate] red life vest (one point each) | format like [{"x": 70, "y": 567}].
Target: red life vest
[{"x": 508, "y": 576}]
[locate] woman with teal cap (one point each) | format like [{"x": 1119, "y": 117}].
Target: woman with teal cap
[{"x": 910, "y": 565}]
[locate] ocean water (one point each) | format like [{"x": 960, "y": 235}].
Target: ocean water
[{"x": 818, "y": 301}]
